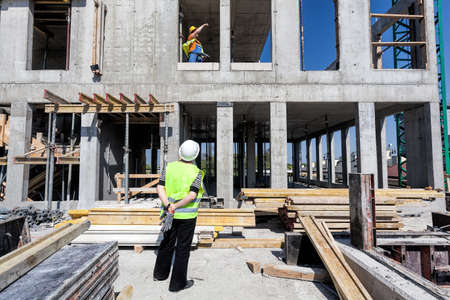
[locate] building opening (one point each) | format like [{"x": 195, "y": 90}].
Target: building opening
[
  {"x": 251, "y": 24},
  {"x": 193, "y": 14},
  {"x": 398, "y": 34},
  {"x": 51, "y": 35}
]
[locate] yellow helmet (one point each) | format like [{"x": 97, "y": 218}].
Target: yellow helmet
[{"x": 192, "y": 28}]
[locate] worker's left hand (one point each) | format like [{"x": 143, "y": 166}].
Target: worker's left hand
[{"x": 172, "y": 208}]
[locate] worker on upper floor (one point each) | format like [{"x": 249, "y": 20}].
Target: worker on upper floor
[
  {"x": 180, "y": 190},
  {"x": 193, "y": 48}
]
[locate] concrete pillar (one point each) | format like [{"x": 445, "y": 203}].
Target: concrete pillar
[
  {"x": 17, "y": 24},
  {"x": 424, "y": 146},
  {"x": 19, "y": 143},
  {"x": 89, "y": 161},
  {"x": 278, "y": 145},
  {"x": 225, "y": 35},
  {"x": 309, "y": 161},
  {"x": 366, "y": 139},
  {"x": 251, "y": 157},
  {"x": 362, "y": 223},
  {"x": 286, "y": 38},
  {"x": 260, "y": 162},
  {"x": 346, "y": 155},
  {"x": 330, "y": 158},
  {"x": 319, "y": 159},
  {"x": 381, "y": 153},
  {"x": 225, "y": 152},
  {"x": 173, "y": 140},
  {"x": 296, "y": 160}
]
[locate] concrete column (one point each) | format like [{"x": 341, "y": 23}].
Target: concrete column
[
  {"x": 296, "y": 160},
  {"x": 19, "y": 143},
  {"x": 424, "y": 146},
  {"x": 346, "y": 155},
  {"x": 89, "y": 161},
  {"x": 17, "y": 27},
  {"x": 173, "y": 141},
  {"x": 225, "y": 152},
  {"x": 286, "y": 38},
  {"x": 260, "y": 162},
  {"x": 251, "y": 157},
  {"x": 366, "y": 139},
  {"x": 225, "y": 35},
  {"x": 330, "y": 157},
  {"x": 319, "y": 159},
  {"x": 381, "y": 153},
  {"x": 278, "y": 145},
  {"x": 309, "y": 161}
]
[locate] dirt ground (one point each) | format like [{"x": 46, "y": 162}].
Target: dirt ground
[{"x": 218, "y": 274}]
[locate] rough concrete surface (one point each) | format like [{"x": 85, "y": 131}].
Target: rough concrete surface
[{"x": 218, "y": 274}]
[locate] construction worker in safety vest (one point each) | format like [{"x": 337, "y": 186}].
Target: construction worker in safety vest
[
  {"x": 193, "y": 48},
  {"x": 180, "y": 190}
]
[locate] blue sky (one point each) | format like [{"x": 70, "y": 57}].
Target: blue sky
[{"x": 319, "y": 41}]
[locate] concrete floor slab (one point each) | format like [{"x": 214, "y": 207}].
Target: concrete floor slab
[{"x": 218, "y": 274}]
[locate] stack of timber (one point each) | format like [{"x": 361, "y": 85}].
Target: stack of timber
[
  {"x": 74, "y": 272},
  {"x": 264, "y": 201},
  {"x": 141, "y": 226},
  {"x": 335, "y": 212}
]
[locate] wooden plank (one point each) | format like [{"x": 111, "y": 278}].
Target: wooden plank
[
  {"x": 20, "y": 261},
  {"x": 152, "y": 100},
  {"x": 225, "y": 243},
  {"x": 330, "y": 225},
  {"x": 54, "y": 98},
  {"x": 125, "y": 99},
  {"x": 336, "y": 207},
  {"x": 345, "y": 281},
  {"x": 100, "y": 100},
  {"x": 297, "y": 272},
  {"x": 254, "y": 266},
  {"x": 380, "y": 214},
  {"x": 113, "y": 100},
  {"x": 107, "y": 109},
  {"x": 262, "y": 200}
]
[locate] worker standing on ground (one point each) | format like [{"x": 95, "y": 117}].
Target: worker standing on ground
[
  {"x": 193, "y": 48},
  {"x": 180, "y": 190}
]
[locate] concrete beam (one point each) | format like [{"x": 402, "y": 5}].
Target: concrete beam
[
  {"x": 381, "y": 153},
  {"x": 278, "y": 145},
  {"x": 366, "y": 139},
  {"x": 89, "y": 161},
  {"x": 225, "y": 153},
  {"x": 19, "y": 143},
  {"x": 225, "y": 35}
]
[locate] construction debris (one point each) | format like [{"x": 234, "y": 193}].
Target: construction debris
[
  {"x": 296, "y": 272},
  {"x": 34, "y": 216},
  {"x": 126, "y": 293},
  {"x": 254, "y": 266}
]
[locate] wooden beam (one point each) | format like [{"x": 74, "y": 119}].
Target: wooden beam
[
  {"x": 114, "y": 101},
  {"x": 138, "y": 100},
  {"x": 397, "y": 16},
  {"x": 15, "y": 264},
  {"x": 100, "y": 100},
  {"x": 125, "y": 99},
  {"x": 383, "y": 24},
  {"x": 345, "y": 281},
  {"x": 54, "y": 98},
  {"x": 227, "y": 243},
  {"x": 85, "y": 99},
  {"x": 297, "y": 272},
  {"x": 107, "y": 109}
]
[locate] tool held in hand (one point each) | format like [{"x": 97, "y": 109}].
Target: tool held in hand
[{"x": 167, "y": 219}]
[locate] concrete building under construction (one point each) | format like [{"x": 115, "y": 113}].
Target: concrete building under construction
[{"x": 248, "y": 114}]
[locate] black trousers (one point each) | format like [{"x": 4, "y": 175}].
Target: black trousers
[{"x": 181, "y": 234}]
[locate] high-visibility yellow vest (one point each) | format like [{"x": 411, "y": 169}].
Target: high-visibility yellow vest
[
  {"x": 178, "y": 181},
  {"x": 189, "y": 46}
]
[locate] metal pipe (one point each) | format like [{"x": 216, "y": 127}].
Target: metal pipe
[
  {"x": 72, "y": 143},
  {"x": 47, "y": 164},
  {"x": 51, "y": 154},
  {"x": 126, "y": 157}
]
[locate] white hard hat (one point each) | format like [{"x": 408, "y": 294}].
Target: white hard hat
[{"x": 189, "y": 150}]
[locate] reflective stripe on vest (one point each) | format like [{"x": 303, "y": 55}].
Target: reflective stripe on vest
[{"x": 179, "y": 178}]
